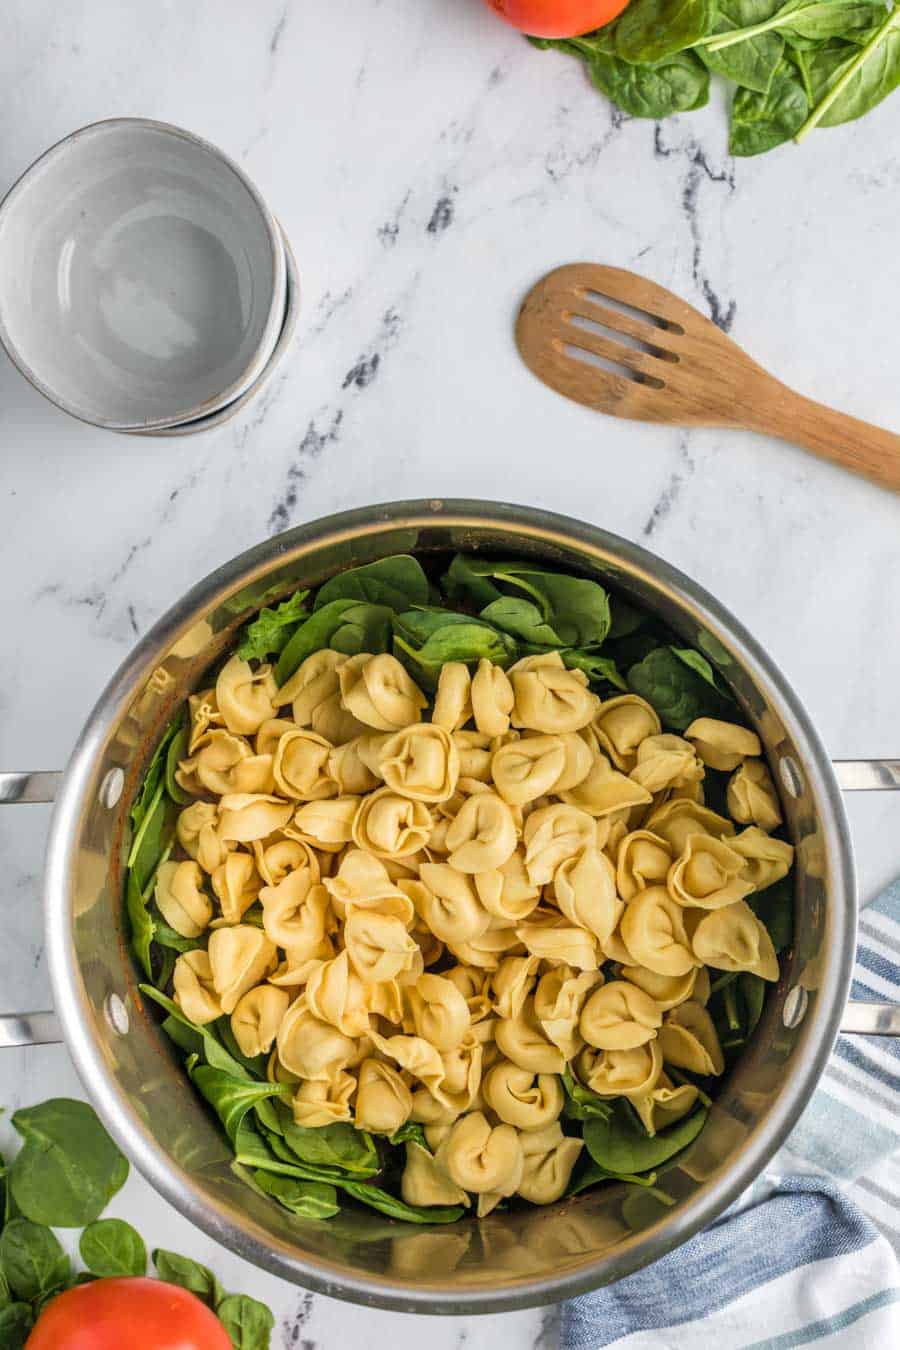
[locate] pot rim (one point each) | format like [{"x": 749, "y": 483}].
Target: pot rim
[{"x": 251, "y": 1241}]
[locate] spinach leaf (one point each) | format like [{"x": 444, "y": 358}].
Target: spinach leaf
[
  {"x": 255, "y": 1067},
  {"x": 339, "y": 1145},
  {"x": 215, "y": 1054},
  {"x": 679, "y": 684},
  {"x": 347, "y": 626},
  {"x": 177, "y": 751},
  {"x": 152, "y": 838},
  {"x": 270, "y": 631},
  {"x": 581, "y": 1103},
  {"x": 752, "y": 62},
  {"x": 16, "y": 1322},
  {"x": 587, "y": 46},
  {"x": 622, "y": 1147},
  {"x": 397, "y": 1209},
  {"x": 267, "y": 1115},
  {"x": 397, "y": 582},
  {"x": 753, "y": 993},
  {"x": 576, "y": 609},
  {"x": 466, "y": 582},
  {"x": 231, "y": 1098},
  {"x": 857, "y": 85},
  {"x": 815, "y": 20},
  {"x": 410, "y": 1132},
  {"x": 598, "y": 669},
  {"x": 521, "y": 618},
  {"x": 311, "y": 1199},
  {"x": 775, "y": 907},
  {"x": 650, "y": 30},
  {"x": 113, "y": 1247},
  {"x": 68, "y": 1169},
  {"x": 588, "y": 1173},
  {"x": 248, "y": 1323},
  {"x": 675, "y": 83},
  {"x": 460, "y": 640},
  {"x": 140, "y": 924},
  {"x": 32, "y": 1258},
  {"x": 760, "y": 122},
  {"x": 265, "y": 1150},
  {"x": 188, "y": 1274}
]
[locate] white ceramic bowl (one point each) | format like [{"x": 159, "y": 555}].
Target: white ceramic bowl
[{"x": 142, "y": 277}]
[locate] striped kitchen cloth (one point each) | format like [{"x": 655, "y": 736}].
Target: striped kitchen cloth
[{"x": 810, "y": 1253}]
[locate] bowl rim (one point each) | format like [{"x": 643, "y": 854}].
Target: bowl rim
[
  {"x": 251, "y": 1241},
  {"x": 277, "y": 279}
]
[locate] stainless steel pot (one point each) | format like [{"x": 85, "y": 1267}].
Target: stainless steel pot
[{"x": 507, "y": 1260}]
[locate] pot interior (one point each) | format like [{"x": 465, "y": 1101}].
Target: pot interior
[{"x": 510, "y": 1259}]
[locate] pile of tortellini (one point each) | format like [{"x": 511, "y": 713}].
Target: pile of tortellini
[{"x": 440, "y": 882}]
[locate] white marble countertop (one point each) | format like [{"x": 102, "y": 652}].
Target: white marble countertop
[{"x": 428, "y": 166}]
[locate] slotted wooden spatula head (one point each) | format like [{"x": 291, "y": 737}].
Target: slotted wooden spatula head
[{"x": 623, "y": 345}]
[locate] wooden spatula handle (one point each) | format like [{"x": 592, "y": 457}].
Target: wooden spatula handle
[{"x": 858, "y": 446}]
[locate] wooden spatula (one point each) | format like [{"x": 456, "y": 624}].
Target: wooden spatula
[{"x": 623, "y": 345}]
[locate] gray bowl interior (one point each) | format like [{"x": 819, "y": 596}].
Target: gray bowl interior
[{"x": 509, "y": 1259}]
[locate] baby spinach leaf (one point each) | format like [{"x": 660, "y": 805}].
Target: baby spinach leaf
[
  {"x": 339, "y": 1146},
  {"x": 856, "y": 86},
  {"x": 151, "y": 838},
  {"x": 397, "y": 1209},
  {"x": 397, "y": 582},
  {"x": 588, "y": 1173},
  {"x": 16, "y": 1322},
  {"x": 188, "y": 1274},
  {"x": 673, "y": 682},
  {"x": 347, "y": 626},
  {"x": 598, "y": 669},
  {"x": 177, "y": 751},
  {"x": 466, "y": 582},
  {"x": 411, "y": 1131},
  {"x": 752, "y": 62},
  {"x": 311, "y": 1199},
  {"x": 775, "y": 907},
  {"x": 625, "y": 620},
  {"x": 267, "y": 1114},
  {"x": 675, "y": 83},
  {"x": 468, "y": 641},
  {"x": 248, "y": 1322},
  {"x": 521, "y": 618},
  {"x": 270, "y": 631},
  {"x": 32, "y": 1258},
  {"x": 587, "y": 46},
  {"x": 112, "y": 1247},
  {"x": 760, "y": 122},
  {"x": 231, "y": 1098},
  {"x": 140, "y": 924},
  {"x": 814, "y": 20},
  {"x": 68, "y": 1169},
  {"x": 651, "y": 30},
  {"x": 575, "y": 608},
  {"x": 581, "y": 1103},
  {"x": 215, "y": 1054},
  {"x": 621, "y": 1145},
  {"x": 255, "y": 1067},
  {"x": 753, "y": 994}
]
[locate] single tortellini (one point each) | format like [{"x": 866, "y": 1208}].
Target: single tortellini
[
  {"x": 391, "y": 826},
  {"x": 301, "y": 767},
  {"x": 414, "y": 1055},
  {"x": 547, "y": 935},
  {"x": 379, "y": 692},
  {"x": 256, "y": 1018},
  {"x": 275, "y": 860},
  {"x": 336, "y": 994},
  {"x": 453, "y": 700},
  {"x": 226, "y": 764},
  {"x": 483, "y": 835},
  {"x": 365, "y": 883},
  {"x": 511, "y": 983},
  {"x": 332, "y": 721},
  {"x": 324, "y": 1102},
  {"x": 524, "y": 1041},
  {"x": 665, "y": 1104},
  {"x": 666, "y": 761},
  {"x": 621, "y": 1073},
  {"x": 379, "y": 946},
  {"x": 722, "y": 745},
  {"x": 549, "y": 1158},
  {"x": 487, "y": 948},
  {"x": 533, "y": 766},
  {"x": 708, "y": 875},
  {"x": 459, "y": 1086},
  {"x": 327, "y": 824},
  {"x": 439, "y": 1011},
  {"x": 526, "y": 1100},
  {"x": 246, "y": 816},
  {"x": 449, "y": 903},
  {"x": 421, "y": 761},
  {"x": 240, "y": 957},
  {"x": 295, "y": 911},
  {"x": 551, "y": 699},
  {"x": 270, "y": 733},
  {"x": 236, "y": 883},
  {"x": 471, "y": 983},
  {"x": 766, "y": 860},
  {"x": 311, "y": 1048},
  {"x": 643, "y": 859},
  {"x": 197, "y": 833},
  {"x": 181, "y": 899},
  {"x": 313, "y": 682},
  {"x": 585, "y": 890},
  {"x": 425, "y": 1182},
  {"x": 507, "y": 892},
  {"x": 383, "y": 1100},
  {"x": 654, "y": 934},
  {"x": 735, "y": 939},
  {"x": 751, "y": 796},
  {"x": 480, "y": 1158},
  {"x": 605, "y": 791},
  {"x": 679, "y": 817},
  {"x": 552, "y": 834},
  {"x": 688, "y": 1040},
  {"x": 620, "y": 1016},
  {"x": 244, "y": 697},
  {"x": 621, "y": 724},
  {"x": 352, "y": 773},
  {"x": 492, "y": 699},
  {"x": 558, "y": 1001},
  {"x": 667, "y": 991},
  {"x": 475, "y": 755},
  {"x": 195, "y": 992}
]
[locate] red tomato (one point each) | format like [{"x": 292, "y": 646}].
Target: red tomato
[
  {"x": 115, "y": 1314},
  {"x": 558, "y": 18}
]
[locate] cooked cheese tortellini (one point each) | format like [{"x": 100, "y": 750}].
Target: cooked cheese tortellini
[
  {"x": 245, "y": 698},
  {"x": 548, "y": 936},
  {"x": 256, "y": 1018},
  {"x": 379, "y": 946},
  {"x": 676, "y": 819},
  {"x": 766, "y": 860},
  {"x": 620, "y": 1016},
  {"x": 552, "y": 834},
  {"x": 327, "y": 825},
  {"x": 722, "y": 745},
  {"x": 621, "y": 1073},
  {"x": 301, "y": 767},
  {"x": 383, "y": 1100},
  {"x": 667, "y": 991},
  {"x": 521, "y": 1098},
  {"x": 665, "y": 1104},
  {"x": 440, "y": 1013},
  {"x": 181, "y": 899},
  {"x": 448, "y": 902},
  {"x": 309, "y": 1047},
  {"x": 751, "y": 796},
  {"x": 585, "y": 891},
  {"x": 483, "y": 835},
  {"x": 225, "y": 763},
  {"x": 421, "y": 762},
  {"x": 506, "y": 892},
  {"x": 551, "y": 699},
  {"x": 313, "y": 682},
  {"x": 240, "y": 957},
  {"x": 197, "y": 833},
  {"x": 606, "y": 791},
  {"x": 643, "y": 859},
  {"x": 511, "y": 983},
  {"x": 336, "y": 994},
  {"x": 481, "y": 1158},
  {"x": 688, "y": 1040},
  {"x": 709, "y": 874},
  {"x": 353, "y": 773},
  {"x": 549, "y": 1158},
  {"x": 735, "y": 939},
  {"x": 523, "y": 1040},
  {"x": 653, "y": 932},
  {"x": 318, "y": 1103},
  {"x": 236, "y": 883},
  {"x": 195, "y": 992},
  {"x": 246, "y": 816},
  {"x": 492, "y": 699},
  {"x": 558, "y": 1001},
  {"x": 377, "y": 691},
  {"x": 426, "y": 1182},
  {"x": 453, "y": 700},
  {"x": 666, "y": 761},
  {"x": 391, "y": 826},
  {"x": 621, "y": 724},
  {"x": 295, "y": 911}
]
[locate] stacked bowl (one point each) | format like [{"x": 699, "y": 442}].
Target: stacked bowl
[{"x": 145, "y": 286}]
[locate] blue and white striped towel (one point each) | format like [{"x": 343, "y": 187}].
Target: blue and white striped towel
[{"x": 811, "y": 1252}]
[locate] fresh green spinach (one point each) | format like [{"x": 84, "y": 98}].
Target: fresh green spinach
[
  {"x": 759, "y": 122},
  {"x": 621, "y": 1146},
  {"x": 775, "y": 907},
  {"x": 16, "y": 1323},
  {"x": 347, "y": 626},
  {"x": 231, "y": 1098},
  {"x": 388, "y": 1204},
  {"x": 309, "y": 1199},
  {"x": 680, "y": 685},
  {"x": 397, "y": 582},
  {"x": 752, "y": 62},
  {"x": 112, "y": 1247},
  {"x": 32, "y": 1258},
  {"x": 271, "y": 630},
  {"x": 248, "y": 1322},
  {"x": 68, "y": 1169},
  {"x": 674, "y": 84},
  {"x": 651, "y": 30},
  {"x": 188, "y": 1274}
]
